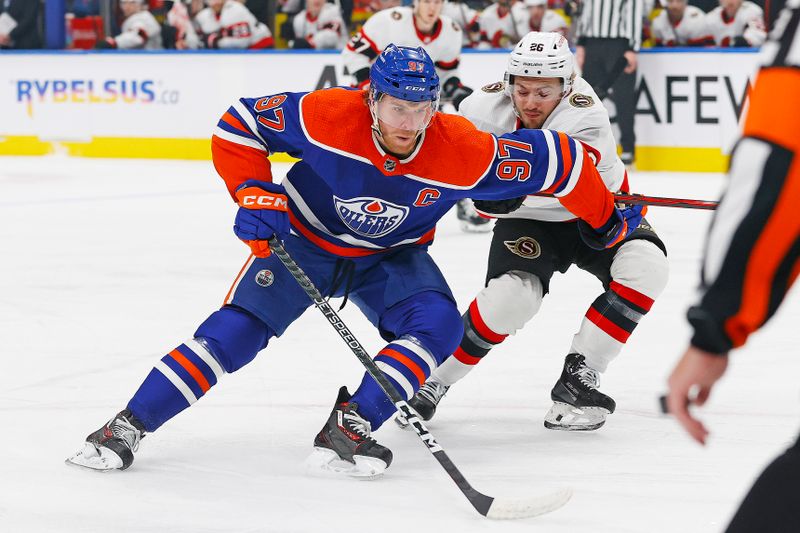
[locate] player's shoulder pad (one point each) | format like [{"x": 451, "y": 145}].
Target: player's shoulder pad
[
  {"x": 489, "y": 111},
  {"x": 396, "y": 14},
  {"x": 481, "y": 101},
  {"x": 384, "y": 19},
  {"x": 583, "y": 95},
  {"x": 449, "y": 25},
  {"x": 455, "y": 153},
  {"x": 203, "y": 15},
  {"x": 691, "y": 11}
]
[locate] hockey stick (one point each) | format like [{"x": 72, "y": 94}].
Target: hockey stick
[
  {"x": 687, "y": 203},
  {"x": 485, "y": 505},
  {"x": 660, "y": 201}
]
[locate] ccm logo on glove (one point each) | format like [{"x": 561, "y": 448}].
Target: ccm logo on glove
[{"x": 261, "y": 199}]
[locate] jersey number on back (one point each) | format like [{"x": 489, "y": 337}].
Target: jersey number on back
[
  {"x": 513, "y": 169},
  {"x": 272, "y": 103}
]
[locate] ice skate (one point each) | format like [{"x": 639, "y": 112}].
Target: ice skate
[
  {"x": 344, "y": 445},
  {"x": 112, "y": 446},
  {"x": 578, "y": 405},
  {"x": 424, "y": 402},
  {"x": 470, "y": 220}
]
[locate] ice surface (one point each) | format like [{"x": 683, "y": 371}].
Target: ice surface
[{"x": 107, "y": 265}]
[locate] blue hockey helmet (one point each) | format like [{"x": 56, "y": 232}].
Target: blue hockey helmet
[{"x": 405, "y": 73}]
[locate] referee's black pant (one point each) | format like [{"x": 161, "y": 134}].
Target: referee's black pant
[
  {"x": 598, "y": 66},
  {"x": 773, "y": 503}
]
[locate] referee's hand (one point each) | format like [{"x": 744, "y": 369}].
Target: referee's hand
[
  {"x": 630, "y": 56},
  {"x": 690, "y": 384}
]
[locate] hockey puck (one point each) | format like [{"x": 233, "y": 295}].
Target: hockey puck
[{"x": 662, "y": 403}]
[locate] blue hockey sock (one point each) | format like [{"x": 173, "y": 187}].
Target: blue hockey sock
[
  {"x": 406, "y": 364},
  {"x": 178, "y": 380},
  {"x": 227, "y": 340}
]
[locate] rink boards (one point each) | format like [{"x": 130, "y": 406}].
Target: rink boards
[{"x": 165, "y": 105}]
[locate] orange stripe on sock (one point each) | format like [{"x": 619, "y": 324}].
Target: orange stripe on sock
[
  {"x": 407, "y": 362},
  {"x": 191, "y": 369}
]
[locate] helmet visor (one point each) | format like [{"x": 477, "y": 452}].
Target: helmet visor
[{"x": 403, "y": 114}]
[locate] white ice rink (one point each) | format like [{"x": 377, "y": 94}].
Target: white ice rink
[{"x": 107, "y": 265}]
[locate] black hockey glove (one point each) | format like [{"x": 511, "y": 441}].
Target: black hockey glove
[
  {"x": 498, "y": 207},
  {"x": 454, "y": 91}
]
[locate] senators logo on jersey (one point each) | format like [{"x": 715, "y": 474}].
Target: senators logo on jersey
[
  {"x": 495, "y": 87},
  {"x": 370, "y": 217},
  {"x": 525, "y": 247},
  {"x": 581, "y": 100}
]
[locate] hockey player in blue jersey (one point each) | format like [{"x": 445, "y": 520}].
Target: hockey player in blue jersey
[{"x": 377, "y": 170}]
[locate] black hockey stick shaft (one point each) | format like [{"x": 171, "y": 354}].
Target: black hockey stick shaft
[
  {"x": 659, "y": 201},
  {"x": 479, "y": 501}
]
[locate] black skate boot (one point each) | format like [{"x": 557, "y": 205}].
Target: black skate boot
[
  {"x": 112, "y": 446},
  {"x": 425, "y": 401},
  {"x": 470, "y": 220},
  {"x": 578, "y": 405},
  {"x": 344, "y": 444}
]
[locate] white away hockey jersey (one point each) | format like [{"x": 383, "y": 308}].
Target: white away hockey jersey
[
  {"x": 325, "y": 32},
  {"x": 689, "y": 31},
  {"x": 748, "y": 22},
  {"x": 235, "y": 27},
  {"x": 140, "y": 30},
  {"x": 397, "y": 26},
  {"x": 580, "y": 115},
  {"x": 502, "y": 31},
  {"x": 551, "y": 21},
  {"x": 466, "y": 18}
]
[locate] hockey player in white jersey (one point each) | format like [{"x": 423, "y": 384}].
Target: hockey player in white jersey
[
  {"x": 228, "y": 24},
  {"x": 467, "y": 20},
  {"x": 534, "y": 237},
  {"x": 140, "y": 30},
  {"x": 500, "y": 24},
  {"x": 319, "y": 26},
  {"x": 681, "y": 25},
  {"x": 423, "y": 25},
  {"x": 737, "y": 23},
  {"x": 541, "y": 19},
  {"x": 420, "y": 25}
]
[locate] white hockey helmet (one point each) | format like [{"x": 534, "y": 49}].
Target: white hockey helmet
[{"x": 541, "y": 55}]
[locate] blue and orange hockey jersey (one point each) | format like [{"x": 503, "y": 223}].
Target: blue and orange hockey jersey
[{"x": 351, "y": 198}]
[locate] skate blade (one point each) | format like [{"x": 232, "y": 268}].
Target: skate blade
[
  {"x": 89, "y": 457},
  {"x": 565, "y": 417},
  {"x": 323, "y": 460}
]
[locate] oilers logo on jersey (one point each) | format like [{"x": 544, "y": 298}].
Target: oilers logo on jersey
[{"x": 370, "y": 217}]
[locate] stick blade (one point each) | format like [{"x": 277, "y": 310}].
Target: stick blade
[{"x": 509, "y": 509}]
